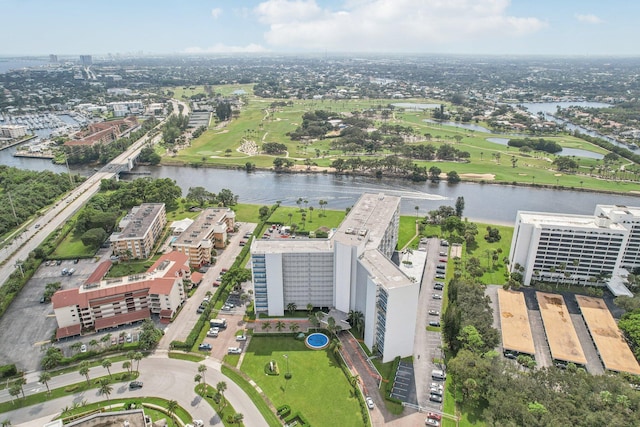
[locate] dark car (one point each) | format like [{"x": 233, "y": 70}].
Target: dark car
[
  {"x": 204, "y": 347},
  {"x": 134, "y": 385},
  {"x": 438, "y": 287},
  {"x": 435, "y": 398},
  {"x": 434, "y": 323}
]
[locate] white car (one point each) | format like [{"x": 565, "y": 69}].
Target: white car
[
  {"x": 213, "y": 332},
  {"x": 234, "y": 350},
  {"x": 83, "y": 348},
  {"x": 241, "y": 338},
  {"x": 432, "y": 422},
  {"x": 198, "y": 423},
  {"x": 370, "y": 403}
]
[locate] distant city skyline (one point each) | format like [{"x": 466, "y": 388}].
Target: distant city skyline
[{"x": 493, "y": 27}]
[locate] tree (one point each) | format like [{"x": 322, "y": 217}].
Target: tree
[
  {"x": 127, "y": 365},
  {"x": 172, "y": 405},
  {"x": 293, "y": 327},
  {"x": 137, "y": 356},
  {"x": 263, "y": 212},
  {"x": 335, "y": 345},
  {"x": 14, "y": 390},
  {"x": 221, "y": 387},
  {"x": 105, "y": 388},
  {"x": 291, "y": 307},
  {"x": 44, "y": 379},
  {"x": 52, "y": 358},
  {"x": 280, "y": 325},
  {"x": 332, "y": 327},
  {"x": 238, "y": 417},
  {"x": 453, "y": 177},
  {"x": 202, "y": 369},
  {"x": 266, "y": 325},
  {"x": 309, "y": 308},
  {"x": 470, "y": 339},
  {"x": 84, "y": 370},
  {"x": 417, "y": 208},
  {"x": 434, "y": 173},
  {"x": 459, "y": 206},
  {"x": 106, "y": 363},
  {"x": 198, "y": 380}
]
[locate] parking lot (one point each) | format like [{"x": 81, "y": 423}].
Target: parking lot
[
  {"x": 29, "y": 324},
  {"x": 404, "y": 386}
]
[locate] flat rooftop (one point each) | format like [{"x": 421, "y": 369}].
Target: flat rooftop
[
  {"x": 585, "y": 222},
  {"x": 203, "y": 225},
  {"x": 514, "y": 322},
  {"x": 612, "y": 347},
  {"x": 368, "y": 220},
  {"x": 291, "y": 245},
  {"x": 561, "y": 335},
  {"x": 383, "y": 271},
  {"x": 140, "y": 221}
]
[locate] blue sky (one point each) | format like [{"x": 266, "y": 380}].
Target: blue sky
[{"x": 522, "y": 27}]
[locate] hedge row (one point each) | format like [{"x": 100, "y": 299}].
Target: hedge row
[{"x": 8, "y": 371}]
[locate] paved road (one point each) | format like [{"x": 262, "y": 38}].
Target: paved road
[
  {"x": 175, "y": 382},
  {"x": 427, "y": 344}
]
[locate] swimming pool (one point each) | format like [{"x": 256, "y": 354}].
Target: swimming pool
[{"x": 317, "y": 341}]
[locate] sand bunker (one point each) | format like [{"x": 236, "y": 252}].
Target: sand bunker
[{"x": 485, "y": 176}]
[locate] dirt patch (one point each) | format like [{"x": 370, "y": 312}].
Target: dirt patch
[
  {"x": 303, "y": 168},
  {"x": 557, "y": 174},
  {"x": 485, "y": 176}
]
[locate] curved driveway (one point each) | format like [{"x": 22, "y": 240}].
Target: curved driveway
[{"x": 171, "y": 379}]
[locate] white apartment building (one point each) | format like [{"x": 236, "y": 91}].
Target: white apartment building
[
  {"x": 351, "y": 270},
  {"x": 13, "y": 131},
  {"x": 580, "y": 249},
  {"x": 140, "y": 229}
]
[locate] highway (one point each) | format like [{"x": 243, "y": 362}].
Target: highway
[{"x": 31, "y": 236}]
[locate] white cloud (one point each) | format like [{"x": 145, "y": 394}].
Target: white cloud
[
  {"x": 588, "y": 18},
  {"x": 222, "y": 48},
  {"x": 389, "y": 25},
  {"x": 216, "y": 12}
]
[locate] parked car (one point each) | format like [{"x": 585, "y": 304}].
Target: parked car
[
  {"x": 436, "y": 390},
  {"x": 435, "y": 323},
  {"x": 241, "y": 338},
  {"x": 438, "y": 287},
  {"x": 234, "y": 350},
  {"x": 204, "y": 347},
  {"x": 443, "y": 254},
  {"x": 198, "y": 423},
  {"x": 213, "y": 333},
  {"x": 83, "y": 348},
  {"x": 432, "y": 422},
  {"x": 437, "y": 296},
  {"x": 370, "y": 403},
  {"x": 442, "y": 260},
  {"x": 435, "y": 398},
  {"x": 134, "y": 385},
  {"x": 434, "y": 313},
  {"x": 129, "y": 338},
  {"x": 440, "y": 276},
  {"x": 114, "y": 341}
]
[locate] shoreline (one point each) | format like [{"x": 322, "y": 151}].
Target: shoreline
[{"x": 470, "y": 181}]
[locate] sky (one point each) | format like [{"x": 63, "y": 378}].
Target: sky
[{"x": 492, "y": 27}]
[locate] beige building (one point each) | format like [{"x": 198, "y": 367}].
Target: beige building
[
  {"x": 208, "y": 231},
  {"x": 140, "y": 230},
  {"x": 13, "y": 131},
  {"x": 105, "y": 303}
]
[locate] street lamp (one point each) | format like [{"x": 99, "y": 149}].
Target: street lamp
[{"x": 288, "y": 374}]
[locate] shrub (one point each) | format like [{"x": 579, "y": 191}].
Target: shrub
[{"x": 8, "y": 371}]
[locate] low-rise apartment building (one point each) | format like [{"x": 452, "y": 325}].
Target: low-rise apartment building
[
  {"x": 106, "y": 303},
  {"x": 351, "y": 270},
  {"x": 208, "y": 231},
  {"x": 140, "y": 230}
]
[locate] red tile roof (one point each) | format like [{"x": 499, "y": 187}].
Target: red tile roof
[
  {"x": 180, "y": 262},
  {"x": 99, "y": 272},
  {"x": 68, "y": 331},
  {"x": 120, "y": 319},
  {"x": 196, "y": 277}
]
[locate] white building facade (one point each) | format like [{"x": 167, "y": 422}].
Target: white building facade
[
  {"x": 352, "y": 270},
  {"x": 576, "y": 249}
]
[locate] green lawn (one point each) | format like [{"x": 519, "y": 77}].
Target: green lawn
[
  {"x": 72, "y": 247},
  {"x": 318, "y": 388},
  {"x": 407, "y": 231},
  {"x": 495, "y": 271},
  {"x": 314, "y": 220},
  {"x": 128, "y": 268},
  {"x": 247, "y": 213},
  {"x": 259, "y": 123}
]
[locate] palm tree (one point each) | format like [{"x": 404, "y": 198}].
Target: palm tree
[
  {"x": 266, "y": 325},
  {"x": 44, "y": 379},
  {"x": 105, "y": 388},
  {"x": 6, "y": 422},
  {"x": 84, "y": 370},
  {"x": 221, "y": 387},
  {"x": 198, "y": 380},
  {"x": 137, "y": 356},
  {"x": 201, "y": 370},
  {"x": 172, "y": 405},
  {"x": 357, "y": 320},
  {"x": 14, "y": 390},
  {"x": 93, "y": 343},
  {"x": 309, "y": 308},
  {"x": 280, "y": 325},
  {"x": 130, "y": 355},
  {"x": 310, "y": 213},
  {"x": 127, "y": 365},
  {"x": 106, "y": 363},
  {"x": 291, "y": 307},
  {"x": 238, "y": 417},
  {"x": 335, "y": 345},
  {"x": 417, "y": 208},
  {"x": 293, "y": 327}
]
